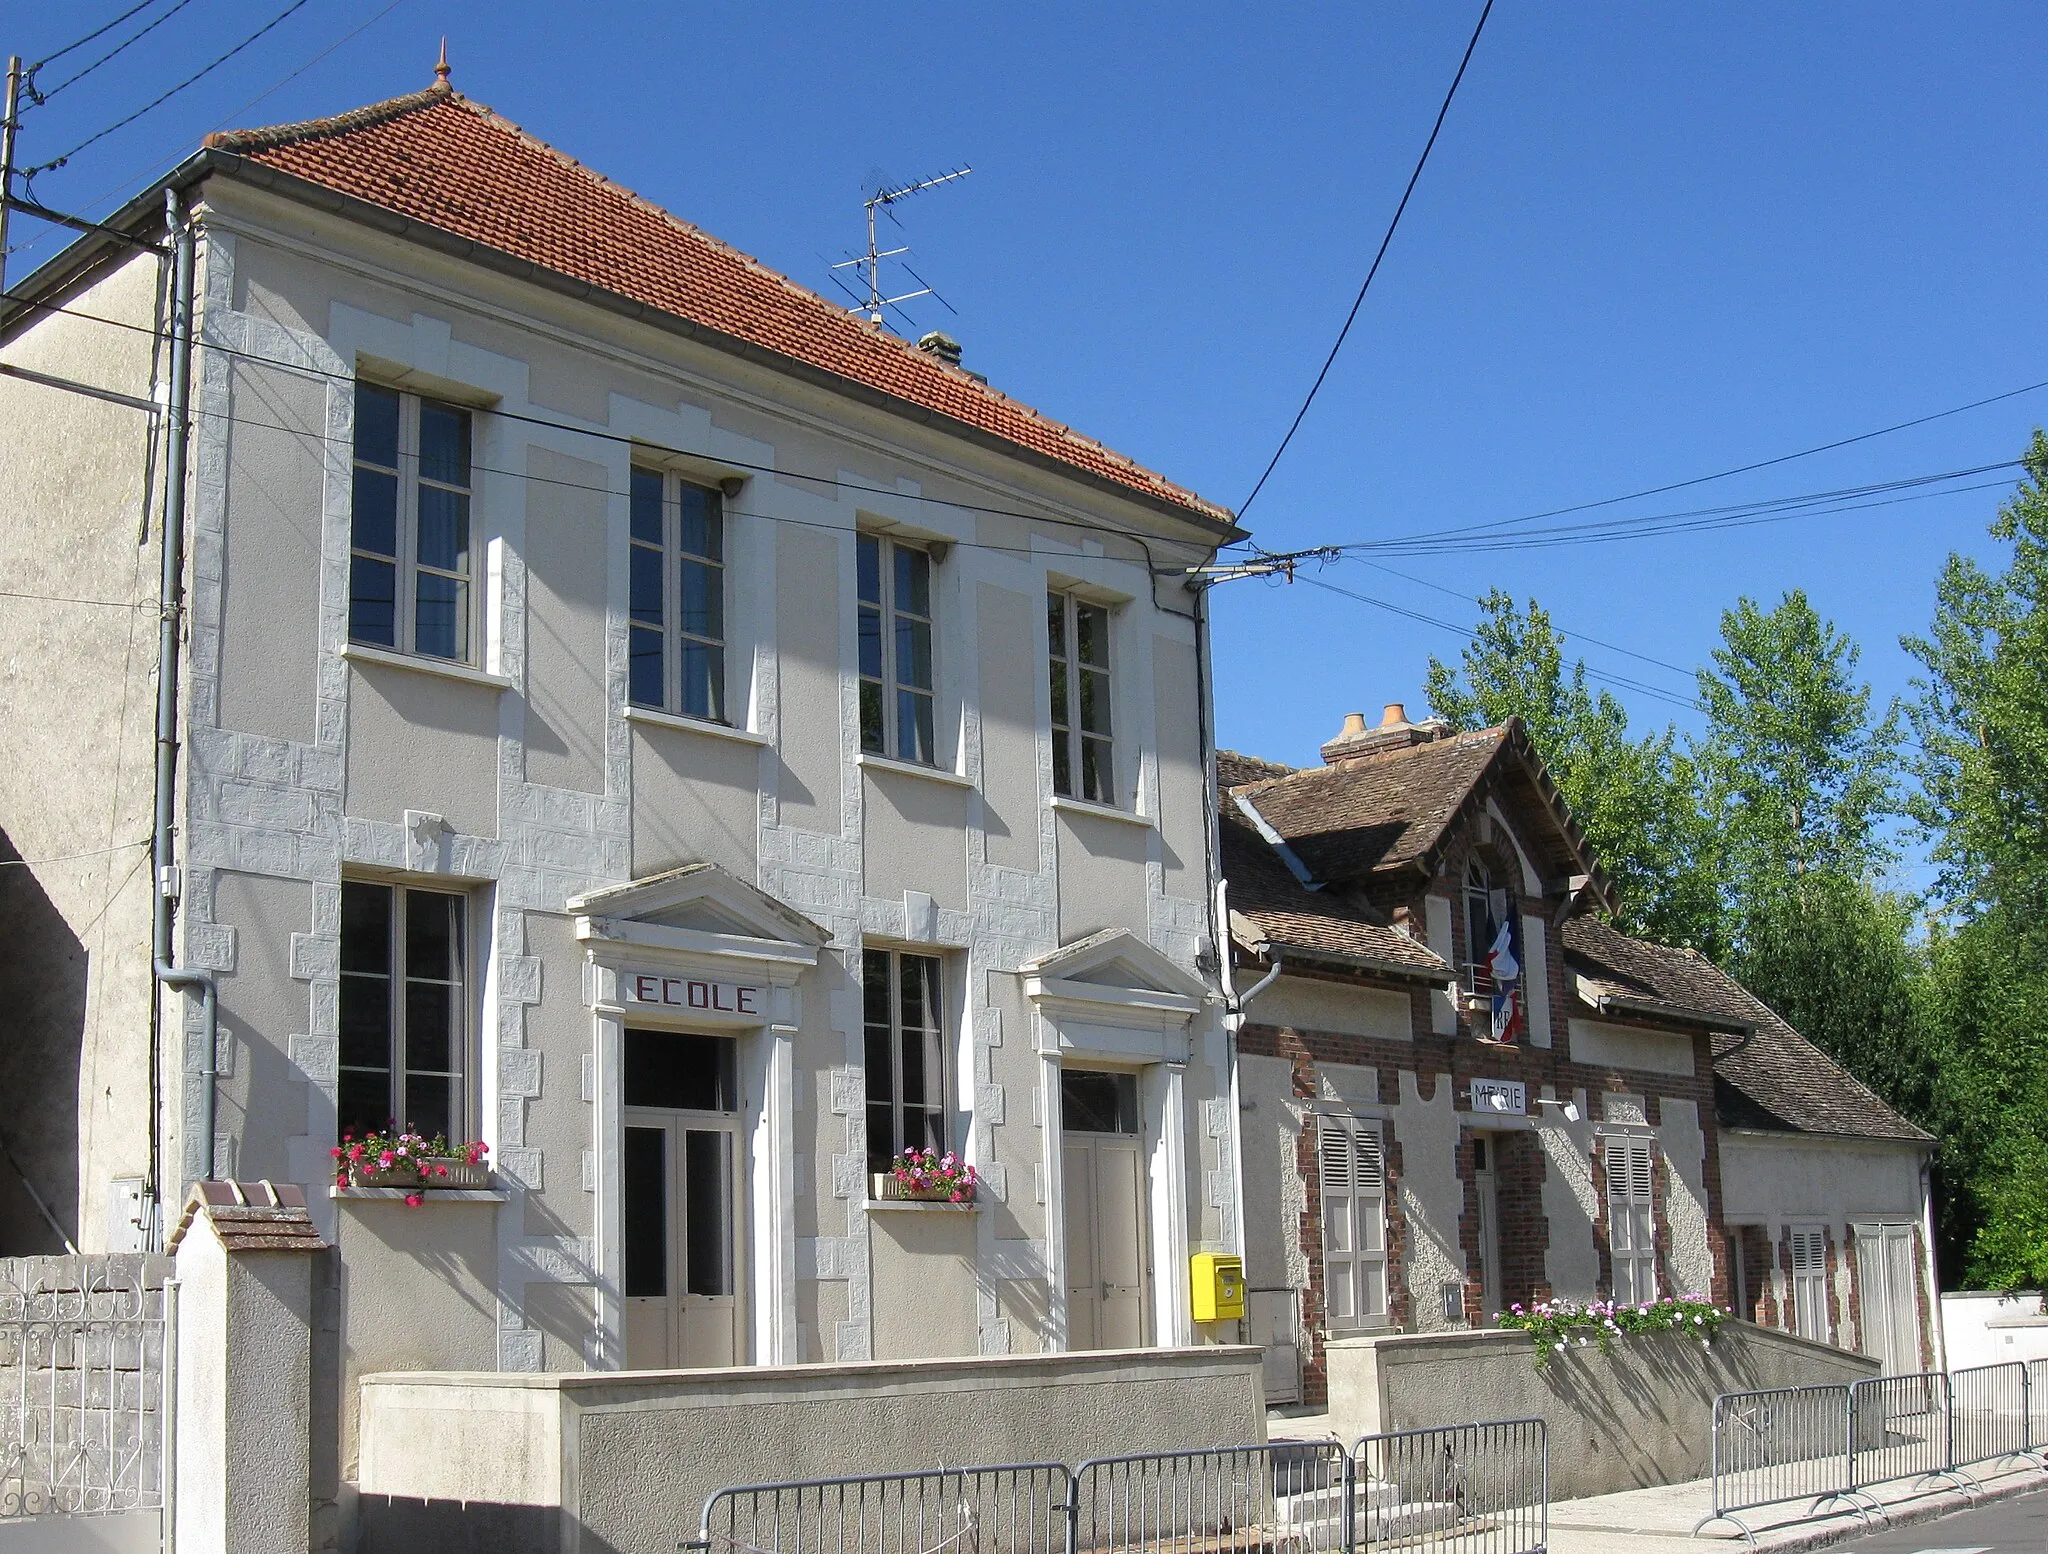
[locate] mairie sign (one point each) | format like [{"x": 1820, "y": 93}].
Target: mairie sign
[{"x": 695, "y": 993}]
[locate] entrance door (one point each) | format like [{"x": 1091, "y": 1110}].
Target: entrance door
[
  {"x": 680, "y": 1156},
  {"x": 1886, "y": 1297},
  {"x": 1486, "y": 1190},
  {"x": 1103, "y": 1181}
]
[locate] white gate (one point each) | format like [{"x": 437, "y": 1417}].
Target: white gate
[{"x": 86, "y": 1382}]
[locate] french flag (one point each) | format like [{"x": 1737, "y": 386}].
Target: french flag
[{"x": 1506, "y": 971}]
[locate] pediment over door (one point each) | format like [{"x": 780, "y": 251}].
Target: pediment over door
[
  {"x": 695, "y": 943},
  {"x": 1113, "y": 996}
]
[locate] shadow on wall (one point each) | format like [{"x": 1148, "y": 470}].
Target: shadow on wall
[{"x": 42, "y": 1034}]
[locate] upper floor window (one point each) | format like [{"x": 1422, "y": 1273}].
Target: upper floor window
[
  {"x": 676, "y": 660},
  {"x": 896, "y": 713},
  {"x": 906, "y": 1054},
  {"x": 411, "y": 567},
  {"x": 1485, "y": 910},
  {"x": 1077, "y": 635},
  {"x": 404, "y": 1008}
]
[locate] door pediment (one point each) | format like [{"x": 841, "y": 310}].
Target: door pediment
[{"x": 1113, "y": 996}]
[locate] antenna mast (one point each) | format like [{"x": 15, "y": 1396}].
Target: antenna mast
[{"x": 870, "y": 264}]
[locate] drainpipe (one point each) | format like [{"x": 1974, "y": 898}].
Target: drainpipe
[
  {"x": 170, "y": 594},
  {"x": 1233, "y": 1019},
  {"x": 1937, "y": 1320}
]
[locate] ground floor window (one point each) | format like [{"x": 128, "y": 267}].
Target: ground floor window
[
  {"x": 906, "y": 1054},
  {"x": 1810, "y": 1283},
  {"x": 1352, "y": 1170},
  {"x": 1631, "y": 1217},
  {"x": 404, "y": 1008}
]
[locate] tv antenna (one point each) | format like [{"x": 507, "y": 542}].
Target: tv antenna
[{"x": 870, "y": 264}]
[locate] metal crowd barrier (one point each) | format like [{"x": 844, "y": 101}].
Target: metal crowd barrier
[
  {"x": 1777, "y": 1446},
  {"x": 1829, "y": 1444},
  {"x": 1017, "y": 1508},
  {"x": 1464, "y": 1489}
]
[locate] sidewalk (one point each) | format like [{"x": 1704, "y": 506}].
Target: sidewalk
[{"x": 1660, "y": 1520}]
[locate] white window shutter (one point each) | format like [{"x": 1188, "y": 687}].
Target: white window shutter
[
  {"x": 1352, "y": 1172},
  {"x": 1631, "y": 1217}
]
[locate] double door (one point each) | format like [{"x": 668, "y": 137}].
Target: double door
[
  {"x": 1888, "y": 1297},
  {"x": 683, "y": 1201}
]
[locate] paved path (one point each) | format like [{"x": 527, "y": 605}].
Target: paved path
[{"x": 2015, "y": 1526}]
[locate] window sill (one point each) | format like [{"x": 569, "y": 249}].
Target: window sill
[
  {"x": 1106, "y": 811},
  {"x": 426, "y": 1194},
  {"x": 883, "y": 763},
  {"x": 923, "y": 1205},
  {"x": 676, "y": 720},
  {"x": 362, "y": 653}
]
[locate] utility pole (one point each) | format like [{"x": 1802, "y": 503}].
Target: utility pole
[
  {"x": 870, "y": 263},
  {"x": 7, "y": 127}
]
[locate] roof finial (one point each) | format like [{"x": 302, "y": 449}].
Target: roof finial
[{"x": 441, "y": 69}]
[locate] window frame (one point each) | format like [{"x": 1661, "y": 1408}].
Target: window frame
[
  {"x": 885, "y": 1093},
  {"x": 410, "y": 478},
  {"x": 882, "y": 728},
  {"x": 1339, "y": 1139},
  {"x": 398, "y": 979},
  {"x": 1063, "y": 652},
  {"x": 1479, "y": 890},
  {"x": 1629, "y": 1162},
  {"x": 675, "y": 636}
]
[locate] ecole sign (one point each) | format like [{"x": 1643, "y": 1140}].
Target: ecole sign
[{"x": 742, "y": 999}]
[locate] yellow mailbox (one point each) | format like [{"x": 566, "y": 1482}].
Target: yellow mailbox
[{"x": 1218, "y": 1287}]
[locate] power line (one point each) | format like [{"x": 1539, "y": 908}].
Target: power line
[
  {"x": 1358, "y": 301},
  {"x": 39, "y": 96},
  {"x": 157, "y": 102},
  {"x": 79, "y": 43},
  {"x": 96, "y": 852},
  {"x": 1740, "y": 469},
  {"x": 233, "y": 113}
]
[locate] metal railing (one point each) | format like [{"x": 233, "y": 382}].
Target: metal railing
[
  {"x": 85, "y": 1385},
  {"x": 1483, "y": 1488},
  {"x": 1832, "y": 1444},
  {"x": 1017, "y": 1508},
  {"x": 1464, "y": 1489}
]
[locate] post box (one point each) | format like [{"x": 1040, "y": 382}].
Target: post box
[{"x": 1218, "y": 1282}]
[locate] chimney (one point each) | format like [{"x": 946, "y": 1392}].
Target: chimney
[
  {"x": 940, "y": 346},
  {"x": 1395, "y": 732}
]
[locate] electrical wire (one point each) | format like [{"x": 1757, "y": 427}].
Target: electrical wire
[
  {"x": 39, "y": 96},
  {"x": 101, "y": 31},
  {"x": 1385, "y": 242},
  {"x": 96, "y": 852},
  {"x": 157, "y": 102}
]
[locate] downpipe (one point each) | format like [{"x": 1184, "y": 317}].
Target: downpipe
[{"x": 171, "y": 613}]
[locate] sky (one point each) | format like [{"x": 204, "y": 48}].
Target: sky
[{"x": 1653, "y": 243}]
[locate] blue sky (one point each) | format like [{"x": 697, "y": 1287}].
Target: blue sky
[{"x": 1654, "y": 242}]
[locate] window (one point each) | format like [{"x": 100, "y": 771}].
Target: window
[
  {"x": 1077, "y": 635},
  {"x": 1485, "y": 910},
  {"x": 1810, "y": 1284},
  {"x": 906, "y": 1054},
  {"x": 676, "y": 662},
  {"x": 1631, "y": 1216},
  {"x": 1098, "y": 1101},
  {"x": 404, "y": 1008},
  {"x": 1354, "y": 1191},
  {"x": 896, "y": 650},
  {"x": 410, "y": 569}
]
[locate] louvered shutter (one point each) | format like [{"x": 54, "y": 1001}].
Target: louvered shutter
[
  {"x": 1352, "y": 1171},
  {"x": 1631, "y": 1217},
  {"x": 1810, "y": 1284}
]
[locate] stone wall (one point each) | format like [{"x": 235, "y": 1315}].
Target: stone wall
[
  {"x": 622, "y": 1463},
  {"x": 1639, "y": 1416}
]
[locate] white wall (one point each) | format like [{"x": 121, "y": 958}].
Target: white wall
[{"x": 1985, "y": 1328}]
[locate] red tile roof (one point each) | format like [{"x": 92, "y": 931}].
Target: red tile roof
[{"x": 441, "y": 159}]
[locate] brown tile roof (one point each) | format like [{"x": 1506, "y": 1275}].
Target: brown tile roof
[
  {"x": 1777, "y": 1079},
  {"x": 1269, "y": 907},
  {"x": 252, "y": 1217},
  {"x": 1392, "y": 809},
  {"x": 442, "y": 159}
]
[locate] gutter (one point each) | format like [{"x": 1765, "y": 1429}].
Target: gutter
[{"x": 171, "y": 588}]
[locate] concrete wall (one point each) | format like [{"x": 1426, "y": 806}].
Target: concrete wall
[
  {"x": 78, "y": 640},
  {"x": 1986, "y": 1328},
  {"x": 624, "y": 1463},
  {"x": 1640, "y": 1416}
]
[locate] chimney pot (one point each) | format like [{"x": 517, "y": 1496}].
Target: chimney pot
[
  {"x": 1354, "y": 724},
  {"x": 1395, "y": 715}
]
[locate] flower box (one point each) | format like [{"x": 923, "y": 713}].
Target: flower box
[
  {"x": 395, "y": 1176},
  {"x": 410, "y": 1161},
  {"x": 884, "y": 1188},
  {"x": 453, "y": 1171}
]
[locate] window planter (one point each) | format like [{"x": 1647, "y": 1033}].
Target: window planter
[{"x": 884, "y": 1188}]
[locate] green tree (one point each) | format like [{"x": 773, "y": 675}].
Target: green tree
[
  {"x": 1796, "y": 777},
  {"x": 1982, "y": 724},
  {"x": 1632, "y": 797}
]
